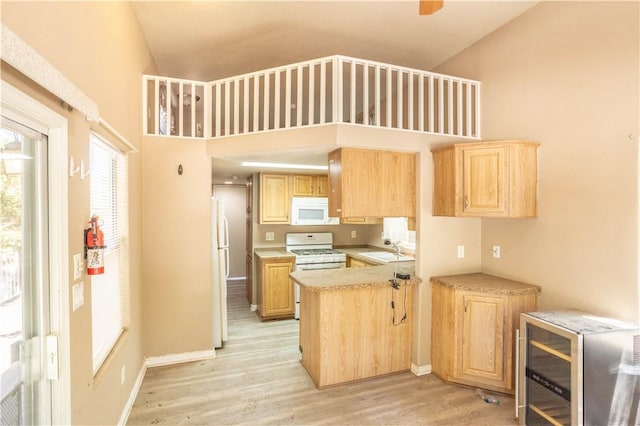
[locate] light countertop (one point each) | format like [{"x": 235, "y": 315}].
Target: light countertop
[
  {"x": 352, "y": 278},
  {"x": 484, "y": 283}
]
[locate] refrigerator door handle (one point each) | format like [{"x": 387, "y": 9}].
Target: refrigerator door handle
[
  {"x": 225, "y": 234},
  {"x": 226, "y": 263}
]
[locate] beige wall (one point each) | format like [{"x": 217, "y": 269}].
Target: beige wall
[
  {"x": 178, "y": 294},
  {"x": 106, "y": 65},
  {"x": 566, "y": 74}
]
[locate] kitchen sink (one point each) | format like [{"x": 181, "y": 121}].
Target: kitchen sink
[{"x": 385, "y": 256}]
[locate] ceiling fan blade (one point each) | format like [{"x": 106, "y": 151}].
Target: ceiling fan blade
[{"x": 429, "y": 7}]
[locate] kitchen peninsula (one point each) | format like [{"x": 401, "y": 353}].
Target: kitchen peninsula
[{"x": 354, "y": 324}]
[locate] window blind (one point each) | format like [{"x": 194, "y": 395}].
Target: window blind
[{"x": 109, "y": 291}]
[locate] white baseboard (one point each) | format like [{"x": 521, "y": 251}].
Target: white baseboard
[
  {"x": 420, "y": 370},
  {"x": 132, "y": 396},
  {"x": 157, "y": 361}
]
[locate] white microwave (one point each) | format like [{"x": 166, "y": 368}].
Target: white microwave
[{"x": 311, "y": 211}]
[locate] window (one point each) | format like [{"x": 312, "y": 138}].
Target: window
[
  {"x": 396, "y": 229},
  {"x": 109, "y": 291}
]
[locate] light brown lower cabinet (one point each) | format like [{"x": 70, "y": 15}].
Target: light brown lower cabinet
[
  {"x": 275, "y": 298},
  {"x": 474, "y": 322},
  {"x": 352, "y": 262},
  {"x": 348, "y": 334}
]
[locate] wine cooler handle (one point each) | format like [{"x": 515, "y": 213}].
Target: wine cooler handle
[{"x": 517, "y": 381}]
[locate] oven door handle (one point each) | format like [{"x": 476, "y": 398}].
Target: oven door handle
[{"x": 315, "y": 267}]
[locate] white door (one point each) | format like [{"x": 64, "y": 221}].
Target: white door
[{"x": 24, "y": 276}]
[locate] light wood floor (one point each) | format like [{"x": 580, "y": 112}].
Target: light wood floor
[{"x": 257, "y": 378}]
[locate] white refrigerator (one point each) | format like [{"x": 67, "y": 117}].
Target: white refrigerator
[{"x": 219, "y": 270}]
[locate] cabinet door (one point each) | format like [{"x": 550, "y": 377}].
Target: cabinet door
[
  {"x": 274, "y": 198},
  {"x": 480, "y": 343},
  {"x": 485, "y": 180},
  {"x": 302, "y": 186},
  {"x": 357, "y": 263},
  {"x": 322, "y": 186},
  {"x": 277, "y": 289}
]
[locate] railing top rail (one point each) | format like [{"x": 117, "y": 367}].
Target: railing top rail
[
  {"x": 173, "y": 80},
  {"x": 314, "y": 62}
]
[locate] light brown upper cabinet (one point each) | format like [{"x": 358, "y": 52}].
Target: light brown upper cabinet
[
  {"x": 309, "y": 186},
  {"x": 275, "y": 204},
  {"x": 372, "y": 183},
  {"x": 486, "y": 179}
]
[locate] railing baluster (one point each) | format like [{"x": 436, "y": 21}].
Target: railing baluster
[
  {"x": 312, "y": 88},
  {"x": 450, "y": 107},
  {"x": 300, "y": 75},
  {"x": 167, "y": 107},
  {"x": 227, "y": 107},
  {"x": 399, "y": 101},
  {"x": 377, "y": 102},
  {"x": 287, "y": 100},
  {"x": 276, "y": 99},
  {"x": 193, "y": 110},
  {"x": 421, "y": 102},
  {"x": 219, "y": 114},
  {"x": 477, "y": 111},
  {"x": 410, "y": 102},
  {"x": 352, "y": 101},
  {"x": 156, "y": 115},
  {"x": 236, "y": 106},
  {"x": 431, "y": 106},
  {"x": 389, "y": 96},
  {"x": 245, "y": 106},
  {"x": 323, "y": 91},
  {"x": 256, "y": 103},
  {"x": 440, "y": 105},
  {"x": 265, "y": 123},
  {"x": 336, "y": 85},
  {"x": 180, "y": 107},
  {"x": 365, "y": 94},
  {"x": 459, "y": 116}
]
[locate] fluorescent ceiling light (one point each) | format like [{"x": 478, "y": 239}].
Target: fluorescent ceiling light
[{"x": 282, "y": 165}]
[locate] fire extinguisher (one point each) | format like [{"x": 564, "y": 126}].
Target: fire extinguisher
[{"x": 94, "y": 247}]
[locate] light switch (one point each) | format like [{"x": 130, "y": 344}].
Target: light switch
[
  {"x": 354, "y": 234},
  {"x": 269, "y": 236},
  {"x": 460, "y": 252},
  {"x": 78, "y": 295}
]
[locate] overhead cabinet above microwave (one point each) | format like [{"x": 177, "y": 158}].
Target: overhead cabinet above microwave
[
  {"x": 486, "y": 179},
  {"x": 293, "y": 199}
]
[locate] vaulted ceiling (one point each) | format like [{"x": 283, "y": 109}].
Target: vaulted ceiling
[{"x": 208, "y": 40}]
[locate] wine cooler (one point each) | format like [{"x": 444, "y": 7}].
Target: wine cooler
[{"x": 577, "y": 369}]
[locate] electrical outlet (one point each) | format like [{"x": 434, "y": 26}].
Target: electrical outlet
[
  {"x": 460, "y": 252},
  {"x": 354, "y": 234},
  {"x": 269, "y": 236},
  {"x": 496, "y": 251}
]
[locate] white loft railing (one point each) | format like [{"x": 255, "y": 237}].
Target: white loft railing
[{"x": 336, "y": 89}]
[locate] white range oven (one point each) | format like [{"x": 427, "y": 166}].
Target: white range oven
[{"x": 313, "y": 250}]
